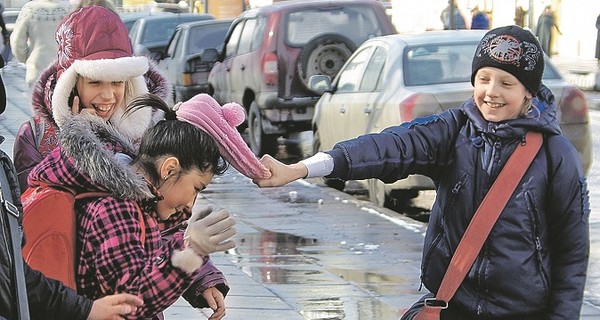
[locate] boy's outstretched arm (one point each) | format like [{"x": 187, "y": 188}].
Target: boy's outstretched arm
[{"x": 281, "y": 173}]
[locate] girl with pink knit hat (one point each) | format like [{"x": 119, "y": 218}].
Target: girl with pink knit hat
[
  {"x": 95, "y": 71},
  {"x": 177, "y": 158}
]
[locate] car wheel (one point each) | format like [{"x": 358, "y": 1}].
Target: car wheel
[
  {"x": 324, "y": 55},
  {"x": 377, "y": 192},
  {"x": 260, "y": 143},
  {"x": 332, "y": 183}
]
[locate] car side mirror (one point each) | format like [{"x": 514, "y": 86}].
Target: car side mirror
[
  {"x": 320, "y": 84},
  {"x": 210, "y": 54}
]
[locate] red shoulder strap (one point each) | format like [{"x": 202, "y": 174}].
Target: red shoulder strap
[{"x": 481, "y": 224}]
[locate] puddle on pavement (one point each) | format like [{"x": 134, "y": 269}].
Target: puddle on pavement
[
  {"x": 348, "y": 308},
  {"x": 287, "y": 263}
]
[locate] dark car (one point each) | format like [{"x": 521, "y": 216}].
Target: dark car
[
  {"x": 270, "y": 52},
  {"x": 150, "y": 35},
  {"x": 130, "y": 18},
  {"x": 190, "y": 54}
]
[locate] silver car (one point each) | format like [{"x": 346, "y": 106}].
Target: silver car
[
  {"x": 393, "y": 79},
  {"x": 191, "y": 54}
]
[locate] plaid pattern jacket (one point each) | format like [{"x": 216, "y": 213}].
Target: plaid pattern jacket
[{"x": 112, "y": 255}]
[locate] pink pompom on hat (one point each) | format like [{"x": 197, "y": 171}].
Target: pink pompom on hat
[{"x": 220, "y": 122}]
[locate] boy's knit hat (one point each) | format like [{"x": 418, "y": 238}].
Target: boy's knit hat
[
  {"x": 220, "y": 123},
  {"x": 514, "y": 50}
]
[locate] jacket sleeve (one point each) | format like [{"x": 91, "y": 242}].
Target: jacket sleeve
[
  {"x": 50, "y": 299},
  {"x": 25, "y": 153},
  {"x": 418, "y": 147},
  {"x": 20, "y": 35},
  {"x": 210, "y": 277},
  {"x": 568, "y": 213}
]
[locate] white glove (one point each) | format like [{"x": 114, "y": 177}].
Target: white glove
[{"x": 207, "y": 232}]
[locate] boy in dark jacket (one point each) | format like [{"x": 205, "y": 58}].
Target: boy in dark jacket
[{"x": 534, "y": 262}]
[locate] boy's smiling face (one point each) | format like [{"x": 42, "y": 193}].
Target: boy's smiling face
[{"x": 499, "y": 95}]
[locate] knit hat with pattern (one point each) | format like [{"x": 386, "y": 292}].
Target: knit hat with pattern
[{"x": 514, "y": 50}]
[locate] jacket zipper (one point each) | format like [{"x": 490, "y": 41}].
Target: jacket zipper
[{"x": 536, "y": 238}]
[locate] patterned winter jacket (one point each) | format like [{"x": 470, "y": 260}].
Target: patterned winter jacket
[
  {"x": 112, "y": 255},
  {"x": 535, "y": 259}
]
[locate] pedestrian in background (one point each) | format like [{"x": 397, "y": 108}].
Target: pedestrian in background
[
  {"x": 6, "y": 50},
  {"x": 520, "y": 15},
  {"x": 32, "y": 39},
  {"x": 452, "y": 18},
  {"x": 479, "y": 19},
  {"x": 93, "y": 48},
  {"x": 534, "y": 262},
  {"x": 48, "y": 299},
  {"x": 546, "y": 23}
]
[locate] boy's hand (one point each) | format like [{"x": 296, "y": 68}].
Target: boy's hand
[{"x": 114, "y": 307}]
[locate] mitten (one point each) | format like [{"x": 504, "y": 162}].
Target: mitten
[{"x": 207, "y": 232}]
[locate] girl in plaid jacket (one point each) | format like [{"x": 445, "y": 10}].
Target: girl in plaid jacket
[{"x": 177, "y": 159}]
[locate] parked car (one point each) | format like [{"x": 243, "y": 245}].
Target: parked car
[
  {"x": 271, "y": 51},
  {"x": 191, "y": 54},
  {"x": 393, "y": 79},
  {"x": 10, "y": 17},
  {"x": 130, "y": 18},
  {"x": 150, "y": 35}
]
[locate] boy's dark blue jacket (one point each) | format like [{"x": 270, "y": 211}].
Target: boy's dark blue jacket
[{"x": 535, "y": 258}]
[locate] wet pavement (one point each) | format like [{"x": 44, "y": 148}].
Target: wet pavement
[{"x": 303, "y": 251}]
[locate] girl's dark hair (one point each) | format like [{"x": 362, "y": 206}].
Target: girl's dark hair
[{"x": 194, "y": 148}]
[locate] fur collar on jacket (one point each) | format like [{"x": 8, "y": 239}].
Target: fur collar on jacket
[{"x": 93, "y": 156}]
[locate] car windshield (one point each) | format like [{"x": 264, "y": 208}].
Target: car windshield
[
  {"x": 358, "y": 23},
  {"x": 206, "y": 37},
  {"x": 444, "y": 63},
  {"x": 161, "y": 30}
]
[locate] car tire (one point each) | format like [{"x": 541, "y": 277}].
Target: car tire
[
  {"x": 260, "y": 143},
  {"x": 324, "y": 55},
  {"x": 332, "y": 183}
]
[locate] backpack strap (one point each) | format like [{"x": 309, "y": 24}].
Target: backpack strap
[{"x": 12, "y": 214}]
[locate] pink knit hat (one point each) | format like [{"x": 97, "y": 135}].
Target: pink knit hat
[{"x": 220, "y": 122}]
